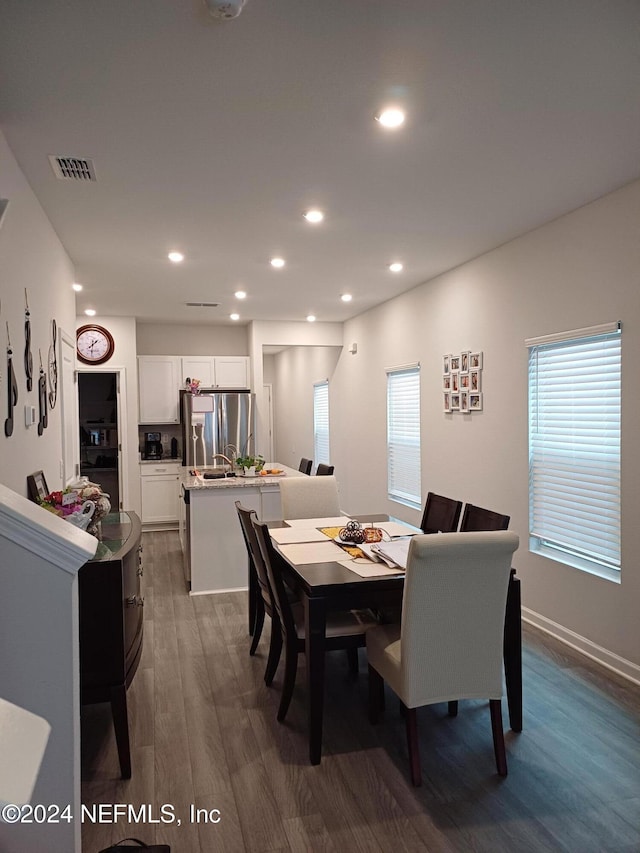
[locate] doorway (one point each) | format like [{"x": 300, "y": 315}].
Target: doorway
[{"x": 100, "y": 432}]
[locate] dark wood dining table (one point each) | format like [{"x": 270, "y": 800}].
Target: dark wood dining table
[{"x": 327, "y": 587}]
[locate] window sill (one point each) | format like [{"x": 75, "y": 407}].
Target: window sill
[
  {"x": 587, "y": 566},
  {"x": 397, "y": 500}
]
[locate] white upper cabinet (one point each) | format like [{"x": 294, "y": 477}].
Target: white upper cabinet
[
  {"x": 217, "y": 371},
  {"x": 199, "y": 367},
  {"x": 159, "y": 382},
  {"x": 232, "y": 371}
]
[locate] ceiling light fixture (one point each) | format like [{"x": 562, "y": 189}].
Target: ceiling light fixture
[
  {"x": 396, "y": 266},
  {"x": 176, "y": 257},
  {"x": 311, "y": 318},
  {"x": 90, "y": 312},
  {"x": 77, "y": 287},
  {"x": 234, "y": 316},
  {"x": 277, "y": 262},
  {"x": 346, "y": 297},
  {"x": 391, "y": 118},
  {"x": 240, "y": 294},
  {"x": 314, "y": 216}
]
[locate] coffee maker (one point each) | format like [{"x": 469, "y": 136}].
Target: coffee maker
[{"x": 152, "y": 445}]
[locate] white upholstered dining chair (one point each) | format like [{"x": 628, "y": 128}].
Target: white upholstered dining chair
[
  {"x": 309, "y": 497},
  {"x": 449, "y": 643}
]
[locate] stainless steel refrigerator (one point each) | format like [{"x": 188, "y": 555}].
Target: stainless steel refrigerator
[{"x": 216, "y": 422}]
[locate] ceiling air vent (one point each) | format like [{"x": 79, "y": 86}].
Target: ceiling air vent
[
  {"x": 72, "y": 168},
  {"x": 202, "y": 304}
]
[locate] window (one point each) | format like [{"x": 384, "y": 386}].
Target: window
[
  {"x": 574, "y": 448},
  {"x": 321, "y": 422},
  {"x": 403, "y": 436}
]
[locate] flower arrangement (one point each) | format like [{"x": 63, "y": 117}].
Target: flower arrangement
[
  {"x": 193, "y": 385},
  {"x": 62, "y": 503}
]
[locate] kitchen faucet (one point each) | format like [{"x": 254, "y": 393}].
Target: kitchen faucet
[
  {"x": 226, "y": 459},
  {"x": 232, "y": 450}
]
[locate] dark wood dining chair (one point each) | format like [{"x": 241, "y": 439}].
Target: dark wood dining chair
[
  {"x": 448, "y": 645},
  {"x": 441, "y": 515},
  {"x": 264, "y": 598},
  {"x": 324, "y": 470},
  {"x": 478, "y": 518},
  {"x": 344, "y": 630},
  {"x": 305, "y": 465}
]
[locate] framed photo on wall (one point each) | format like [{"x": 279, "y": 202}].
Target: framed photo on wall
[{"x": 475, "y": 402}]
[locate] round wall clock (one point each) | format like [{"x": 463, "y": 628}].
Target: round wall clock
[{"x": 94, "y": 344}]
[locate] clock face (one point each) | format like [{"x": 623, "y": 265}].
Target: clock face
[{"x": 94, "y": 344}]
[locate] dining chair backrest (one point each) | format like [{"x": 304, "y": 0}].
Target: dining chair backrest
[
  {"x": 453, "y": 610},
  {"x": 309, "y": 497},
  {"x": 478, "y": 518},
  {"x": 305, "y": 465},
  {"x": 272, "y": 563},
  {"x": 246, "y": 517},
  {"x": 441, "y": 515},
  {"x": 324, "y": 470}
]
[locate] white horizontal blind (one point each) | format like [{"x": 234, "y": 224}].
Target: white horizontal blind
[
  {"x": 403, "y": 435},
  {"x": 574, "y": 448},
  {"x": 321, "y": 422}
]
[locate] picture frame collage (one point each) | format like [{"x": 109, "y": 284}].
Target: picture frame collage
[{"x": 462, "y": 382}]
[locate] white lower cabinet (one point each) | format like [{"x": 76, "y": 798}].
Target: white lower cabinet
[{"x": 160, "y": 490}]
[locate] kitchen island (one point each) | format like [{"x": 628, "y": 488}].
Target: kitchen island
[{"x": 214, "y": 553}]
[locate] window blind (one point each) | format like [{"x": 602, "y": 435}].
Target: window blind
[
  {"x": 574, "y": 447},
  {"x": 403, "y": 435},
  {"x": 321, "y": 422}
]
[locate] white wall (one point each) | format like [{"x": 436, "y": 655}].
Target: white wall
[
  {"x": 577, "y": 271},
  {"x": 290, "y": 334},
  {"x": 182, "y": 339},
  {"x": 123, "y": 330},
  {"x": 296, "y": 369},
  {"x": 31, "y": 256}
]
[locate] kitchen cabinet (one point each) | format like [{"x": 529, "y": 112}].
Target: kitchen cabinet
[
  {"x": 159, "y": 381},
  {"x": 110, "y": 622},
  {"x": 217, "y": 371},
  {"x": 160, "y": 491}
]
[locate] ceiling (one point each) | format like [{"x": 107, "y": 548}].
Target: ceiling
[{"x": 213, "y": 137}]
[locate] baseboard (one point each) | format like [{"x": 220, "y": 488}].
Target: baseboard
[
  {"x": 218, "y": 591},
  {"x": 604, "y": 657}
]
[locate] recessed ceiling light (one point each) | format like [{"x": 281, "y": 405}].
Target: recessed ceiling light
[
  {"x": 234, "y": 316},
  {"x": 277, "y": 262},
  {"x": 311, "y": 318},
  {"x": 90, "y": 312},
  {"x": 396, "y": 267},
  {"x": 391, "y": 117},
  {"x": 176, "y": 257},
  {"x": 241, "y": 294},
  {"x": 346, "y": 297},
  {"x": 314, "y": 216},
  {"x": 77, "y": 287}
]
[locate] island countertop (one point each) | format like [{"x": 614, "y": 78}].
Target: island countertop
[{"x": 193, "y": 483}]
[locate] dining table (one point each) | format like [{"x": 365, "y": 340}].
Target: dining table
[{"x": 330, "y": 586}]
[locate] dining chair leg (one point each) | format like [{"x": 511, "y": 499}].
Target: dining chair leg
[
  {"x": 495, "y": 706},
  {"x": 453, "y": 708},
  {"x": 290, "y": 668},
  {"x": 257, "y": 627},
  {"x": 352, "y": 658},
  {"x": 413, "y": 747},
  {"x": 376, "y": 695},
  {"x": 275, "y": 649}
]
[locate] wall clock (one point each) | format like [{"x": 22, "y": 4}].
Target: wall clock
[{"x": 94, "y": 344}]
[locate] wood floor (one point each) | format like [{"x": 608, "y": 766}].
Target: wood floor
[{"x": 204, "y": 732}]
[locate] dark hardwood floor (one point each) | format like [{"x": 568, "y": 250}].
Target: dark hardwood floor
[{"x": 204, "y": 732}]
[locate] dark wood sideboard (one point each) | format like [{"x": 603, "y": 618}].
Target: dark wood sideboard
[{"x": 111, "y": 622}]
